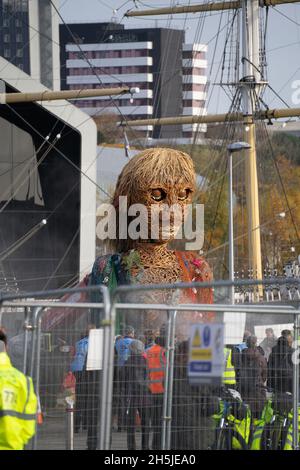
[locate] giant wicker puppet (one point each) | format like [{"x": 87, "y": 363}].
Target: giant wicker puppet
[{"x": 155, "y": 176}]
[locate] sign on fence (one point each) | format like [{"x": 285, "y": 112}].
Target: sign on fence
[
  {"x": 235, "y": 323},
  {"x": 206, "y": 357},
  {"x": 95, "y": 350}
]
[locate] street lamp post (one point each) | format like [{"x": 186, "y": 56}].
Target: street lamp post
[{"x": 232, "y": 148}]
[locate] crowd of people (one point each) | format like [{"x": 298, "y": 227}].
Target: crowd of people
[
  {"x": 139, "y": 380},
  {"x": 262, "y": 367},
  {"x": 139, "y": 386}
]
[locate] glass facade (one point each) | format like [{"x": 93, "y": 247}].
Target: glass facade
[{"x": 14, "y": 33}]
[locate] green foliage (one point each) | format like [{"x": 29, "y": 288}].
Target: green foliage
[
  {"x": 277, "y": 235},
  {"x": 287, "y": 145}
]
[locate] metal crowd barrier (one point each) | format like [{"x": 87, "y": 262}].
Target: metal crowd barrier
[
  {"x": 174, "y": 312},
  {"x": 49, "y": 363},
  {"x": 176, "y": 411}
]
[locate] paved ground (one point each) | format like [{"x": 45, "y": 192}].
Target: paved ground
[{"x": 52, "y": 435}]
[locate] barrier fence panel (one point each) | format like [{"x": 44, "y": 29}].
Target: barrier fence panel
[
  {"x": 251, "y": 409},
  {"x": 70, "y": 385}
]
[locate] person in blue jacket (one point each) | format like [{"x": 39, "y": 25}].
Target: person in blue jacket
[
  {"x": 78, "y": 367},
  {"x": 122, "y": 347}
]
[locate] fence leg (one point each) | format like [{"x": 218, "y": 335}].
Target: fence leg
[
  {"x": 109, "y": 378},
  {"x": 103, "y": 393},
  {"x": 296, "y": 383},
  {"x": 35, "y": 315},
  {"x": 166, "y": 388},
  {"x": 70, "y": 424},
  {"x": 38, "y": 325},
  {"x": 171, "y": 376},
  {"x": 33, "y": 372},
  {"x": 27, "y": 328}
]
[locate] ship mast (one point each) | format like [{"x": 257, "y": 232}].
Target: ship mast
[{"x": 250, "y": 86}]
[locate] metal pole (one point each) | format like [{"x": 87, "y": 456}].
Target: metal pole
[
  {"x": 103, "y": 391},
  {"x": 166, "y": 387},
  {"x": 250, "y": 86},
  {"x": 229, "y": 5},
  {"x": 37, "y": 375},
  {"x": 296, "y": 382},
  {"x": 171, "y": 379},
  {"x": 36, "y": 312},
  {"x": 105, "y": 414},
  {"x": 218, "y": 6},
  {"x": 62, "y": 95},
  {"x": 26, "y": 328},
  {"x": 110, "y": 377},
  {"x": 212, "y": 118},
  {"x": 230, "y": 234},
  {"x": 70, "y": 425}
]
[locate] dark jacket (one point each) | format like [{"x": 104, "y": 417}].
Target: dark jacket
[
  {"x": 136, "y": 380},
  {"x": 253, "y": 375},
  {"x": 253, "y": 372},
  {"x": 237, "y": 358},
  {"x": 280, "y": 367}
]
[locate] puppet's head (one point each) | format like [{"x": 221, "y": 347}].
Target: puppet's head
[{"x": 155, "y": 177}]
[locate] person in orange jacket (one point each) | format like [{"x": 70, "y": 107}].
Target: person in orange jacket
[{"x": 156, "y": 371}]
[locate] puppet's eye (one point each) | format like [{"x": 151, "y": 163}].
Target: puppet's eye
[
  {"x": 183, "y": 194},
  {"x": 158, "y": 194}
]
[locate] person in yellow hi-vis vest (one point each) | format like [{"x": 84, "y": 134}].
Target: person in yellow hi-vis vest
[
  {"x": 229, "y": 379},
  {"x": 18, "y": 404},
  {"x": 229, "y": 371}
]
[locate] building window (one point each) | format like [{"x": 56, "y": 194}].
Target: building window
[
  {"x": 193, "y": 71},
  {"x": 193, "y": 55},
  {"x": 6, "y": 23},
  {"x": 19, "y": 53},
  {"x": 6, "y": 53},
  {"x": 193, "y": 103},
  {"x": 19, "y": 37},
  {"x": 18, "y": 23},
  {"x": 20, "y": 66},
  {"x": 73, "y": 55},
  {"x": 193, "y": 87},
  {"x": 6, "y": 38}
]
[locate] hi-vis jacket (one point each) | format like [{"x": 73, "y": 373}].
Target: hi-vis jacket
[
  {"x": 289, "y": 438},
  {"x": 18, "y": 405},
  {"x": 156, "y": 366},
  {"x": 229, "y": 372}
]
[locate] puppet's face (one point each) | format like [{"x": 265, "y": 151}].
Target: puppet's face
[
  {"x": 161, "y": 181},
  {"x": 166, "y": 208}
]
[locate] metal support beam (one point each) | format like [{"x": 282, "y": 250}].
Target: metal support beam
[
  {"x": 218, "y": 6},
  {"x": 214, "y": 118},
  {"x": 6, "y": 98}
]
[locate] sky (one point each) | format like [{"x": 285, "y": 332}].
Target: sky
[{"x": 283, "y": 40}]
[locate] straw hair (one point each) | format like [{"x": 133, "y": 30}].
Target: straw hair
[{"x": 150, "y": 169}]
